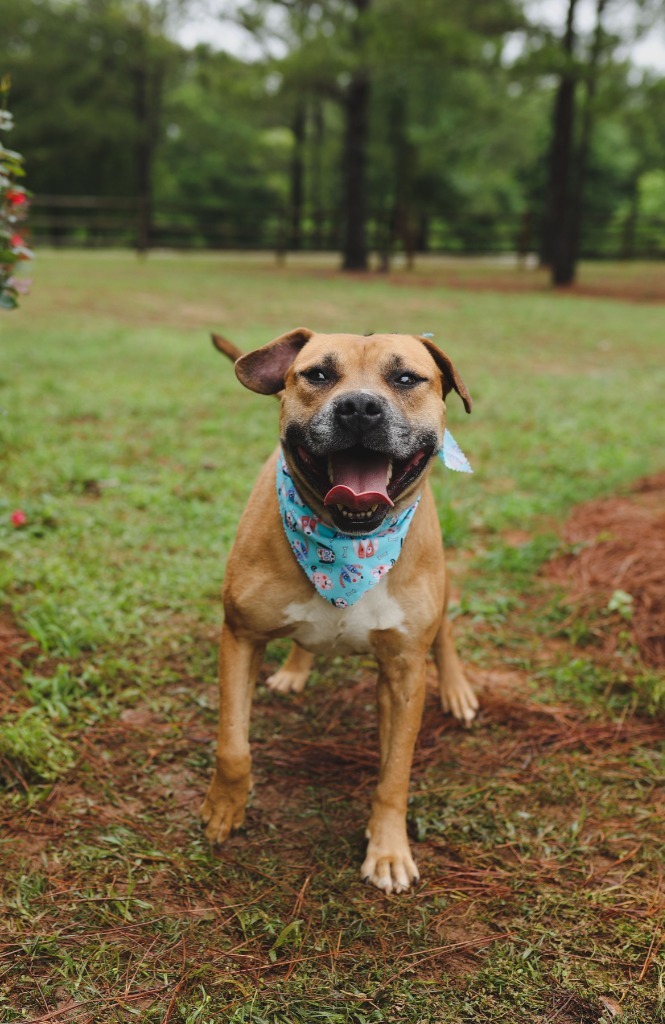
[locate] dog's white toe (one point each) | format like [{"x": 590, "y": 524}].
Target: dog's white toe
[
  {"x": 390, "y": 872},
  {"x": 284, "y": 681},
  {"x": 460, "y": 702}
]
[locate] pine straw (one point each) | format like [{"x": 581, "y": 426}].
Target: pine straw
[
  {"x": 16, "y": 651},
  {"x": 620, "y": 545}
]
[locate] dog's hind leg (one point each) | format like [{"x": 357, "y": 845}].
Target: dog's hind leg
[
  {"x": 293, "y": 674},
  {"x": 457, "y": 697},
  {"x": 224, "y": 806}
]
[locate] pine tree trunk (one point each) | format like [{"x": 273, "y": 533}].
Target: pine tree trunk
[
  {"x": 316, "y": 175},
  {"x": 356, "y": 137},
  {"x": 563, "y": 270},
  {"x": 143, "y": 159},
  {"x": 297, "y": 176},
  {"x": 630, "y": 223},
  {"x": 148, "y": 74},
  {"x": 586, "y": 131},
  {"x": 561, "y": 195}
]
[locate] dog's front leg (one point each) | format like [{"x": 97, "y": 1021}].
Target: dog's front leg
[
  {"x": 224, "y": 806},
  {"x": 401, "y": 693}
]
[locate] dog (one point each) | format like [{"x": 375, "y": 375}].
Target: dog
[{"x": 362, "y": 420}]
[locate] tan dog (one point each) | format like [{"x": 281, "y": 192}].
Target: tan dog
[{"x": 358, "y": 415}]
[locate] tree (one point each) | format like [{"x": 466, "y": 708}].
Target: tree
[
  {"x": 89, "y": 78},
  {"x": 356, "y": 124},
  {"x": 449, "y": 132},
  {"x": 581, "y": 65},
  {"x": 226, "y": 148}
]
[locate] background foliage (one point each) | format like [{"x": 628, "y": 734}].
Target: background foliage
[{"x": 458, "y": 135}]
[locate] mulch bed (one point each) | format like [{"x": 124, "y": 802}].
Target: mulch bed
[{"x": 619, "y": 545}]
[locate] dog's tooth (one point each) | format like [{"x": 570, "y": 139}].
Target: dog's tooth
[
  {"x": 373, "y": 509},
  {"x": 330, "y": 471},
  {"x": 340, "y": 507},
  {"x": 390, "y": 471}
]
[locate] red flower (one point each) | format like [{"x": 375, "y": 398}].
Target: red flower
[
  {"x": 16, "y": 198},
  {"x": 20, "y": 247},
  {"x": 18, "y": 518}
]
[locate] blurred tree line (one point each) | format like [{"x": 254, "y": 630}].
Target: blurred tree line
[{"x": 359, "y": 124}]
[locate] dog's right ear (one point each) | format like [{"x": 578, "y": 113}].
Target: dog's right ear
[{"x": 264, "y": 370}]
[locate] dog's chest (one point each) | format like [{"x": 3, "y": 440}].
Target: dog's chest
[{"x": 321, "y": 628}]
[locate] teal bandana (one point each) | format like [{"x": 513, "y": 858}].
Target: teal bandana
[
  {"x": 452, "y": 455},
  {"x": 343, "y": 568}
]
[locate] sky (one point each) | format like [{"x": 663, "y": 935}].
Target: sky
[{"x": 649, "y": 52}]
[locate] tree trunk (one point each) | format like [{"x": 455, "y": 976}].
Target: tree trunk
[
  {"x": 317, "y": 174},
  {"x": 143, "y": 158},
  {"x": 356, "y": 134},
  {"x": 561, "y": 212},
  {"x": 585, "y": 134},
  {"x": 630, "y": 224},
  {"x": 404, "y": 162},
  {"x": 297, "y": 176},
  {"x": 148, "y": 74},
  {"x": 422, "y": 233}
]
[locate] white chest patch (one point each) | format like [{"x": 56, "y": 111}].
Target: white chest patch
[{"x": 321, "y": 628}]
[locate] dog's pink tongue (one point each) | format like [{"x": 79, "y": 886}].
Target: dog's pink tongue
[{"x": 359, "y": 480}]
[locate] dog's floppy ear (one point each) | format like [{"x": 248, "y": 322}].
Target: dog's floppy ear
[
  {"x": 264, "y": 370},
  {"x": 451, "y": 378}
]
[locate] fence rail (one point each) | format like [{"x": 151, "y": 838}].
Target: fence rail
[{"x": 95, "y": 222}]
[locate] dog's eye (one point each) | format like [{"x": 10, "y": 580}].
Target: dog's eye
[
  {"x": 407, "y": 380},
  {"x": 315, "y": 376}
]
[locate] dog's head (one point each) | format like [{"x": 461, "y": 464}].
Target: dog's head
[{"x": 361, "y": 420}]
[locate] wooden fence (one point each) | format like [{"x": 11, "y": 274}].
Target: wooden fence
[{"x": 95, "y": 222}]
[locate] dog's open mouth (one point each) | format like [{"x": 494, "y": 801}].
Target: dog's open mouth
[{"x": 358, "y": 485}]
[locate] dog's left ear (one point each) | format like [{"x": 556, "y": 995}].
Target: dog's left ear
[
  {"x": 451, "y": 378},
  {"x": 264, "y": 369}
]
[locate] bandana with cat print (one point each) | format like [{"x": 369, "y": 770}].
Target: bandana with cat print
[{"x": 343, "y": 568}]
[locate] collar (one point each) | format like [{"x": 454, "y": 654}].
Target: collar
[{"x": 343, "y": 568}]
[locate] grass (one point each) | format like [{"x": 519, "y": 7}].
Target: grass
[{"x": 131, "y": 448}]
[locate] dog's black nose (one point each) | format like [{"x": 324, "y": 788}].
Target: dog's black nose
[{"x": 359, "y": 411}]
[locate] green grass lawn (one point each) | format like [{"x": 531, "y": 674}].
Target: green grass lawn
[{"x": 131, "y": 448}]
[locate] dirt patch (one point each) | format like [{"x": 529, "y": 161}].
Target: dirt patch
[
  {"x": 617, "y": 566},
  {"x": 625, "y": 284},
  {"x": 513, "y": 282}
]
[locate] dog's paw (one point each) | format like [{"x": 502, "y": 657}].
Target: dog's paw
[
  {"x": 222, "y": 811},
  {"x": 388, "y": 863},
  {"x": 391, "y": 872},
  {"x": 286, "y": 681},
  {"x": 460, "y": 701}
]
